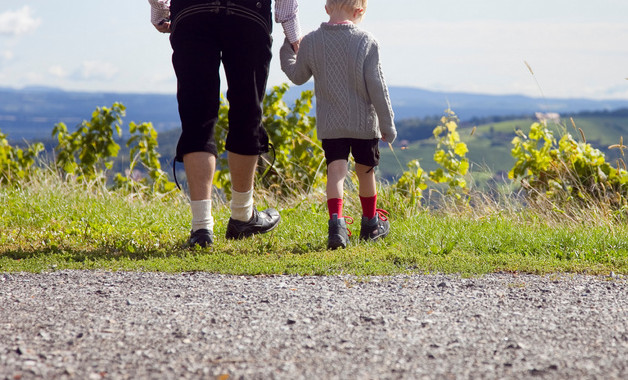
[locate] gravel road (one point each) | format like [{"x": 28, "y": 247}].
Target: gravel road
[{"x": 101, "y": 325}]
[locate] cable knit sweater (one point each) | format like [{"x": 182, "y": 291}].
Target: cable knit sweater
[{"x": 352, "y": 99}]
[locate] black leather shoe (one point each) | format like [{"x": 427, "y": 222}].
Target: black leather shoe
[
  {"x": 260, "y": 223},
  {"x": 203, "y": 238}
]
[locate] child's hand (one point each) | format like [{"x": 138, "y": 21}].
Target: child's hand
[
  {"x": 389, "y": 137},
  {"x": 296, "y": 44}
]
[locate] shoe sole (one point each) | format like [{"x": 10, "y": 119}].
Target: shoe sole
[
  {"x": 199, "y": 244},
  {"x": 245, "y": 235},
  {"x": 373, "y": 238},
  {"x": 336, "y": 242}
]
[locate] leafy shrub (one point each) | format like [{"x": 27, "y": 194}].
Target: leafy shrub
[
  {"x": 411, "y": 183},
  {"x": 565, "y": 170},
  {"x": 16, "y": 163},
  {"x": 298, "y": 155},
  {"x": 90, "y": 150},
  {"x": 143, "y": 144},
  {"x": 450, "y": 155}
]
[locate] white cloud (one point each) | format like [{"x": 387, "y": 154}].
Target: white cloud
[
  {"x": 6, "y": 55},
  {"x": 14, "y": 23},
  {"x": 58, "y": 71},
  {"x": 33, "y": 78},
  {"x": 96, "y": 70}
]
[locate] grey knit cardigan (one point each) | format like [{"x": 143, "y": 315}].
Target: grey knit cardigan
[{"x": 352, "y": 99}]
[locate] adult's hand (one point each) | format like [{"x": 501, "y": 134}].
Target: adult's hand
[{"x": 163, "y": 27}]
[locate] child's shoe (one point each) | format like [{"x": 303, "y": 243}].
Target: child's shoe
[
  {"x": 338, "y": 233},
  {"x": 375, "y": 228}
]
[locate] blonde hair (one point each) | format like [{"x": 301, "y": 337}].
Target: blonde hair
[{"x": 348, "y": 5}]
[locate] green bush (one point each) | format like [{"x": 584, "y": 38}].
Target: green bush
[
  {"x": 90, "y": 150},
  {"x": 15, "y": 163},
  {"x": 143, "y": 150},
  {"x": 298, "y": 155},
  {"x": 450, "y": 155},
  {"x": 566, "y": 170},
  {"x": 412, "y": 183}
]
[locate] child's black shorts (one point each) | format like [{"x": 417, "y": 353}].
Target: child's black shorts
[{"x": 365, "y": 152}]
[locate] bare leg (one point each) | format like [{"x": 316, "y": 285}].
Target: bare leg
[
  {"x": 199, "y": 170},
  {"x": 337, "y": 227},
  {"x": 245, "y": 220},
  {"x": 336, "y": 174},
  {"x": 242, "y": 169},
  {"x": 366, "y": 179}
]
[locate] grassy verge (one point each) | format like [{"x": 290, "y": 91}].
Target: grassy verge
[{"x": 52, "y": 226}]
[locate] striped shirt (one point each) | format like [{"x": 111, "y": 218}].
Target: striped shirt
[{"x": 285, "y": 13}]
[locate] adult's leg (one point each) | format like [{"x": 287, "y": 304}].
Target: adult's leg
[
  {"x": 199, "y": 170},
  {"x": 242, "y": 169},
  {"x": 246, "y": 58},
  {"x": 196, "y": 61},
  {"x": 246, "y": 55}
]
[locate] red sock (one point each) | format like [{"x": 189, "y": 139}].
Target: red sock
[
  {"x": 335, "y": 207},
  {"x": 368, "y": 206}
]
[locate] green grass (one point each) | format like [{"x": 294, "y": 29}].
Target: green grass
[{"x": 48, "y": 225}]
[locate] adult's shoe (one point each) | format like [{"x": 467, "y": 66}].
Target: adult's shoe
[
  {"x": 203, "y": 238},
  {"x": 260, "y": 223}
]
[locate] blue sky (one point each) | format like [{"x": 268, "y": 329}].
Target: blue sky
[{"x": 575, "y": 49}]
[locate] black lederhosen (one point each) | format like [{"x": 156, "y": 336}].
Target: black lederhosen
[{"x": 236, "y": 33}]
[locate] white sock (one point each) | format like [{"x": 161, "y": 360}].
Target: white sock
[
  {"x": 202, "y": 215},
  {"x": 241, "y": 205}
]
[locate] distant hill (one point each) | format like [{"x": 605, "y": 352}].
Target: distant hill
[
  {"x": 411, "y": 102},
  {"x": 31, "y": 113},
  {"x": 490, "y": 143}
]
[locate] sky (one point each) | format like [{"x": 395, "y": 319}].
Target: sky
[{"x": 551, "y": 48}]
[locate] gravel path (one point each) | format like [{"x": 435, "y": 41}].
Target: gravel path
[{"x": 95, "y": 325}]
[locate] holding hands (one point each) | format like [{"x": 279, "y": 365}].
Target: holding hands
[
  {"x": 163, "y": 26},
  {"x": 160, "y": 15}
]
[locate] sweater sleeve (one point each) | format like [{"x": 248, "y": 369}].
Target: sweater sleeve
[
  {"x": 295, "y": 66},
  {"x": 378, "y": 92}
]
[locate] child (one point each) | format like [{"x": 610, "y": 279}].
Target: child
[{"x": 353, "y": 110}]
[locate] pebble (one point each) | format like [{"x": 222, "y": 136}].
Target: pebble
[{"x": 93, "y": 324}]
